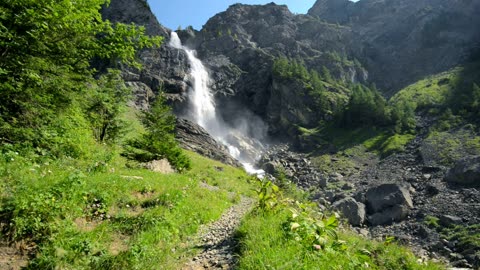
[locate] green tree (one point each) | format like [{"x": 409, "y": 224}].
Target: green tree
[
  {"x": 158, "y": 142},
  {"x": 104, "y": 105},
  {"x": 365, "y": 107},
  {"x": 281, "y": 67},
  {"x": 402, "y": 116},
  {"x": 326, "y": 75},
  {"x": 46, "y": 51}
]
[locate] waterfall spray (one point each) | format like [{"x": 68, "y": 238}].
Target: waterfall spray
[{"x": 202, "y": 109}]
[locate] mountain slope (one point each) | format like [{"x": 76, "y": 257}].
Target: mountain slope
[{"x": 403, "y": 41}]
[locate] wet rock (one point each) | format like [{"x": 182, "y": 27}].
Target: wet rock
[
  {"x": 330, "y": 195},
  {"x": 432, "y": 190},
  {"x": 359, "y": 197},
  {"x": 427, "y": 176},
  {"x": 323, "y": 182},
  {"x": 336, "y": 177},
  {"x": 269, "y": 167},
  {"x": 348, "y": 186},
  {"x": 352, "y": 210}
]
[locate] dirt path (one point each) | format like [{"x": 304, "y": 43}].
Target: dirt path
[{"x": 217, "y": 240}]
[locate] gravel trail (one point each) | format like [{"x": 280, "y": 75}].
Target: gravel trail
[{"x": 217, "y": 240}]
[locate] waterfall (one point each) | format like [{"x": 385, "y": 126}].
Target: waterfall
[{"x": 202, "y": 111}]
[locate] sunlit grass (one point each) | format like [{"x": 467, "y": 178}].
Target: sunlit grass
[{"x": 98, "y": 214}]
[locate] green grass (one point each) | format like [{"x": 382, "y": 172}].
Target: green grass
[
  {"x": 113, "y": 217},
  {"x": 386, "y": 145},
  {"x": 357, "y": 145},
  {"x": 431, "y": 221},
  {"x": 130, "y": 116},
  {"x": 431, "y": 92},
  {"x": 102, "y": 215},
  {"x": 264, "y": 245}
]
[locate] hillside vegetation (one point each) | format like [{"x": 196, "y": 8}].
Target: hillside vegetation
[{"x": 74, "y": 191}]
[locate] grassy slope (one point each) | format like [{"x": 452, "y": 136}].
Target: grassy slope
[{"x": 113, "y": 217}]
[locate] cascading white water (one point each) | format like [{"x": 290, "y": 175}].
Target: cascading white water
[
  {"x": 203, "y": 110},
  {"x": 200, "y": 97}
]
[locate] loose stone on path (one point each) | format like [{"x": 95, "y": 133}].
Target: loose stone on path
[{"x": 217, "y": 239}]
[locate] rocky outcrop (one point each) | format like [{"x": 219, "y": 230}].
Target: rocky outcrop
[
  {"x": 134, "y": 11},
  {"x": 334, "y": 11},
  {"x": 387, "y": 203},
  {"x": 397, "y": 41},
  {"x": 194, "y": 138},
  {"x": 466, "y": 172}
]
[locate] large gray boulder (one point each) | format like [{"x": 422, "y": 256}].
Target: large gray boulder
[
  {"x": 388, "y": 203},
  {"x": 465, "y": 172},
  {"x": 351, "y": 210}
]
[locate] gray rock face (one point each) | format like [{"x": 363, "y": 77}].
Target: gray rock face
[
  {"x": 387, "y": 203},
  {"x": 193, "y": 137},
  {"x": 465, "y": 172},
  {"x": 403, "y": 40},
  {"x": 335, "y": 11},
  {"x": 134, "y": 11},
  {"x": 352, "y": 210},
  {"x": 397, "y": 41},
  {"x": 163, "y": 67},
  {"x": 240, "y": 49}
]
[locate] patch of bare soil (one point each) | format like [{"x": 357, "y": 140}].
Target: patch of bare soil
[
  {"x": 14, "y": 257},
  {"x": 119, "y": 244}
]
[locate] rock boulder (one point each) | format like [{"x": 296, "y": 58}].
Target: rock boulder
[
  {"x": 465, "y": 172},
  {"x": 388, "y": 203},
  {"x": 351, "y": 210}
]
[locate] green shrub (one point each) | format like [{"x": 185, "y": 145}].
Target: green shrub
[
  {"x": 315, "y": 230},
  {"x": 431, "y": 221},
  {"x": 267, "y": 194}
]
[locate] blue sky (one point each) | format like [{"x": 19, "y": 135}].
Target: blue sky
[{"x": 174, "y": 13}]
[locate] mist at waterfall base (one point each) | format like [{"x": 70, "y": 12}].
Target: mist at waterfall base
[{"x": 244, "y": 140}]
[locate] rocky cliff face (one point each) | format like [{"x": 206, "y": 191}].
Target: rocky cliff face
[
  {"x": 163, "y": 67},
  {"x": 402, "y": 41}
]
